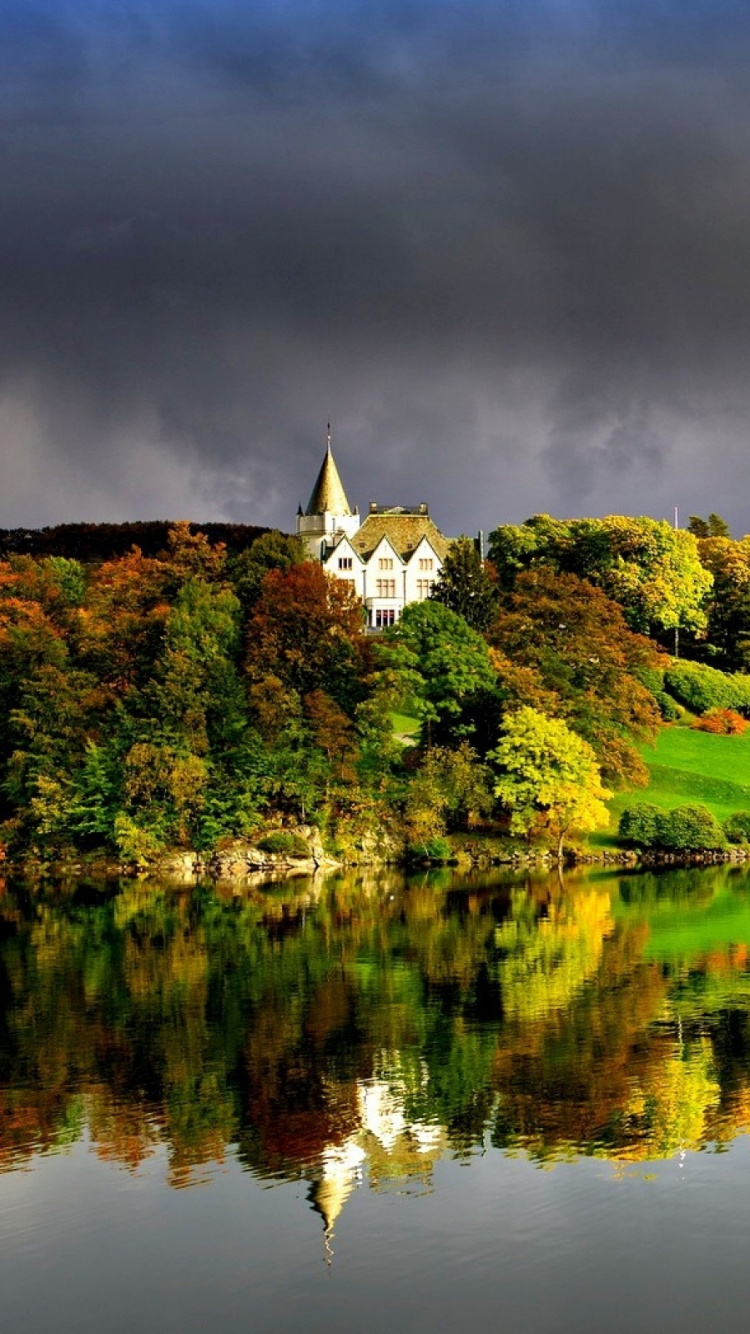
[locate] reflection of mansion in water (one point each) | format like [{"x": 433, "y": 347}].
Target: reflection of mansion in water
[
  {"x": 387, "y": 1145},
  {"x": 391, "y": 557}
]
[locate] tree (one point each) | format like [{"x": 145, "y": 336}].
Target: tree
[
  {"x": 192, "y": 554},
  {"x": 451, "y": 787},
  {"x": 548, "y": 777},
  {"x": 653, "y": 570},
  {"x": 713, "y": 526},
  {"x": 464, "y": 585},
  {"x": 306, "y": 630},
  {"x": 656, "y": 576},
  {"x": 565, "y": 649},
  {"x": 270, "y": 551},
  {"x": 729, "y": 605},
  {"x": 121, "y": 627},
  {"x": 334, "y": 735},
  {"x": 449, "y": 661},
  {"x": 181, "y": 733}
]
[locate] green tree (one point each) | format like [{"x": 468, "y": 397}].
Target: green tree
[
  {"x": 70, "y": 577},
  {"x": 270, "y": 551},
  {"x": 182, "y": 734},
  {"x": 452, "y": 789},
  {"x": 729, "y": 605},
  {"x": 450, "y": 664},
  {"x": 657, "y": 575},
  {"x": 464, "y": 585},
  {"x": 548, "y": 777},
  {"x": 713, "y": 526}
]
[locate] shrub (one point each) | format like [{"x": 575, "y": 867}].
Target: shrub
[
  {"x": 691, "y": 829},
  {"x": 669, "y": 710},
  {"x": 721, "y": 722},
  {"x": 683, "y": 829},
  {"x": 737, "y": 827},
  {"x": 701, "y": 688},
  {"x": 134, "y": 843},
  {"x": 640, "y": 825},
  {"x": 652, "y": 678},
  {"x": 292, "y": 845},
  {"x": 437, "y": 849}
]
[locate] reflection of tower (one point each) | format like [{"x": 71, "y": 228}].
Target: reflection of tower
[
  {"x": 395, "y": 1149},
  {"x": 340, "y": 1174}
]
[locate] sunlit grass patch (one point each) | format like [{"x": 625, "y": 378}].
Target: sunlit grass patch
[
  {"x": 688, "y": 768},
  {"x": 404, "y": 725}
]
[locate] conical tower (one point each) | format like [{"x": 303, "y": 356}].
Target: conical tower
[{"x": 328, "y": 514}]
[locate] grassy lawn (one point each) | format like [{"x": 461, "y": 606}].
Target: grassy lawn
[
  {"x": 403, "y": 725},
  {"x": 690, "y": 768}
]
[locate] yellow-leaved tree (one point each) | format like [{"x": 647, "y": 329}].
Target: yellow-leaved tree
[{"x": 548, "y": 777}]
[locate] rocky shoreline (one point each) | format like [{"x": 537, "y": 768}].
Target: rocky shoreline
[{"x": 240, "y": 861}]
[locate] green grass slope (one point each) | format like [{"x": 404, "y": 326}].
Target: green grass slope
[{"x": 691, "y": 767}]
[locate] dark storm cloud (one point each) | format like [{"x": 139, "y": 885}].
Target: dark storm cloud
[{"x": 506, "y": 247}]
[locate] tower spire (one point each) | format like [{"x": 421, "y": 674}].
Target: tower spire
[{"x": 328, "y": 495}]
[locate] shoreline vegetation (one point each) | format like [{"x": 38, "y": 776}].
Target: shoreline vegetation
[
  {"x": 216, "y": 708},
  {"x": 247, "y": 864}
]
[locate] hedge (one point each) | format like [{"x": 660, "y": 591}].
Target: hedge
[
  {"x": 683, "y": 829},
  {"x": 668, "y": 708},
  {"x": 737, "y": 827},
  {"x": 701, "y": 688}
]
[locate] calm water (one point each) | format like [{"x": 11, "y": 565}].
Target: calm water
[{"x": 377, "y": 1105}]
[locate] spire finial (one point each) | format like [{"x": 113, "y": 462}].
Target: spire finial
[{"x": 328, "y": 438}]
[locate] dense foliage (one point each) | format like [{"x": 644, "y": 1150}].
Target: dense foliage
[
  {"x": 191, "y": 691},
  {"x": 588, "y": 666},
  {"x": 152, "y": 702},
  {"x": 721, "y": 722},
  {"x": 104, "y": 541},
  {"x": 652, "y": 570},
  {"x": 701, "y": 688},
  {"x": 548, "y": 776},
  {"x": 465, "y": 585}
]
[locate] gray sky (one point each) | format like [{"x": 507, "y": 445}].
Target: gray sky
[{"x": 504, "y": 246}]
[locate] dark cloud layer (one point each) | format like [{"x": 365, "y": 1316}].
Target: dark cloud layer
[{"x": 505, "y": 246}]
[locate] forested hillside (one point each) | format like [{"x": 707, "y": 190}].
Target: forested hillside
[
  {"x": 104, "y": 541},
  {"x": 203, "y": 691}
]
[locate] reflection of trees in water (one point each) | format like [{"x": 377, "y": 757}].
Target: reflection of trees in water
[
  {"x": 322, "y": 1028},
  {"x": 545, "y": 961}
]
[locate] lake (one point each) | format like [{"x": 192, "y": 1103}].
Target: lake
[{"x": 373, "y": 1103}]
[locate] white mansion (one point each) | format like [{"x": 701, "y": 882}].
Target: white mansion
[{"x": 392, "y": 556}]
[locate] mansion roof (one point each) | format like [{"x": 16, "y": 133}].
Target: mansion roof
[
  {"x": 403, "y": 531},
  {"x": 328, "y": 494}
]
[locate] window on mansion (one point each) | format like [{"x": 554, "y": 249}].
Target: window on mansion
[
  {"x": 425, "y": 587},
  {"x": 384, "y": 616},
  {"x": 426, "y": 563},
  {"x": 385, "y": 562},
  {"x": 385, "y": 588},
  {"x": 345, "y": 562}
]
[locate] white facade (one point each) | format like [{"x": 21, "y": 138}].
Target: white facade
[{"x": 391, "y": 558}]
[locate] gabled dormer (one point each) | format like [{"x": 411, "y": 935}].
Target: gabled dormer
[
  {"x": 341, "y": 558},
  {"x": 423, "y": 567},
  {"x": 385, "y": 559}
]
